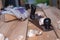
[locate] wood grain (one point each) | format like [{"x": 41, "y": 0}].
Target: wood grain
[
  {"x": 20, "y": 30},
  {"x": 9, "y": 17},
  {"x": 5, "y": 28},
  {"x": 54, "y": 20}
]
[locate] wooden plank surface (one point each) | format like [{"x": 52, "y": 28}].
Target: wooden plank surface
[
  {"x": 5, "y": 28},
  {"x": 20, "y": 30},
  {"x": 13, "y": 29},
  {"x": 54, "y": 20},
  {"x": 9, "y": 17},
  {"x": 56, "y": 12}
]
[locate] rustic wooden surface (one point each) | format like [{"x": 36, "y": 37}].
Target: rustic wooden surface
[
  {"x": 21, "y": 29},
  {"x": 16, "y": 28},
  {"x": 55, "y": 18},
  {"x": 13, "y": 29},
  {"x": 9, "y": 17}
]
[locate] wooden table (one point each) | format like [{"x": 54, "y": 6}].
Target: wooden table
[
  {"x": 14, "y": 29},
  {"x": 54, "y": 14}
]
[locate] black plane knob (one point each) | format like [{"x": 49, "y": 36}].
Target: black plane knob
[{"x": 47, "y": 23}]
